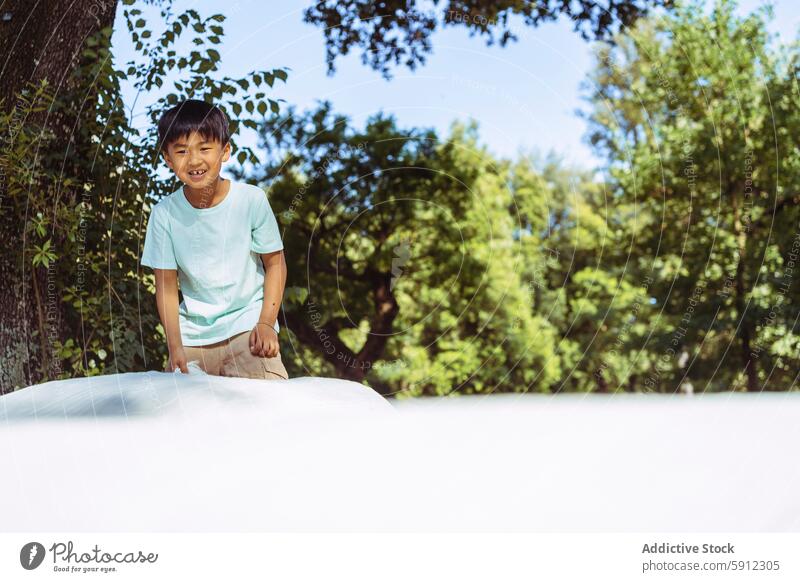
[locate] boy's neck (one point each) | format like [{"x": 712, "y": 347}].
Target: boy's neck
[{"x": 208, "y": 196}]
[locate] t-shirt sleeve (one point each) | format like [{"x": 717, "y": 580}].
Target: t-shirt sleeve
[
  {"x": 266, "y": 237},
  {"x": 158, "y": 251}
]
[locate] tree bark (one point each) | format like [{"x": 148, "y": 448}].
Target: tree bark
[
  {"x": 324, "y": 338},
  {"x": 40, "y": 40},
  {"x": 745, "y": 329}
]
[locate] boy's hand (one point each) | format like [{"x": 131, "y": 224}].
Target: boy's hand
[
  {"x": 264, "y": 341},
  {"x": 177, "y": 360}
]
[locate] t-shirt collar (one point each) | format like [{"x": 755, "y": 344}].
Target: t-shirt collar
[{"x": 182, "y": 197}]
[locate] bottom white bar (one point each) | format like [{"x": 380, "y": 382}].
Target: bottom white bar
[{"x": 387, "y": 557}]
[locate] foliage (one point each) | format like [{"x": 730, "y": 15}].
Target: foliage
[
  {"x": 423, "y": 265},
  {"x": 399, "y": 31},
  {"x": 697, "y": 114},
  {"x": 402, "y": 256},
  {"x": 83, "y": 204}
]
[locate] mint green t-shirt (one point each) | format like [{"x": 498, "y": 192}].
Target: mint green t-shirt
[{"x": 216, "y": 253}]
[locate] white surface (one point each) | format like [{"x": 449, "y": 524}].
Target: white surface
[{"x": 163, "y": 452}]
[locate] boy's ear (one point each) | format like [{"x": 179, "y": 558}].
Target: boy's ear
[
  {"x": 226, "y": 152},
  {"x": 167, "y": 159}
]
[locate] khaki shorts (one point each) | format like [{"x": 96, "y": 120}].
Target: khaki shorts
[{"x": 232, "y": 357}]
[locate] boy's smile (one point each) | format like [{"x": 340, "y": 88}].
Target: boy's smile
[
  {"x": 197, "y": 161},
  {"x": 197, "y": 175}
]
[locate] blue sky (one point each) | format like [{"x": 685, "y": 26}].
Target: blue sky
[{"x": 524, "y": 96}]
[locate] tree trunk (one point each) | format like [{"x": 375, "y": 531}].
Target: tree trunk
[
  {"x": 745, "y": 329},
  {"x": 44, "y": 38},
  {"x": 324, "y": 338},
  {"x": 39, "y": 40}
]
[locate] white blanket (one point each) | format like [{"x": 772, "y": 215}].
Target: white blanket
[{"x": 169, "y": 452}]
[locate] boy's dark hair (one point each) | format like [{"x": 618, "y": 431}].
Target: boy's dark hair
[{"x": 192, "y": 115}]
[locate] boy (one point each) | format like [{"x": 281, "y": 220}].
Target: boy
[{"x": 220, "y": 239}]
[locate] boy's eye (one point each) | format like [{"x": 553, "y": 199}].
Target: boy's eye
[{"x": 184, "y": 151}]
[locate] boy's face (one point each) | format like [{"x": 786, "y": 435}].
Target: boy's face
[{"x": 195, "y": 161}]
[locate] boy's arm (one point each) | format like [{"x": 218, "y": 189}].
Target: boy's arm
[
  {"x": 167, "y": 302},
  {"x": 264, "y": 339}
]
